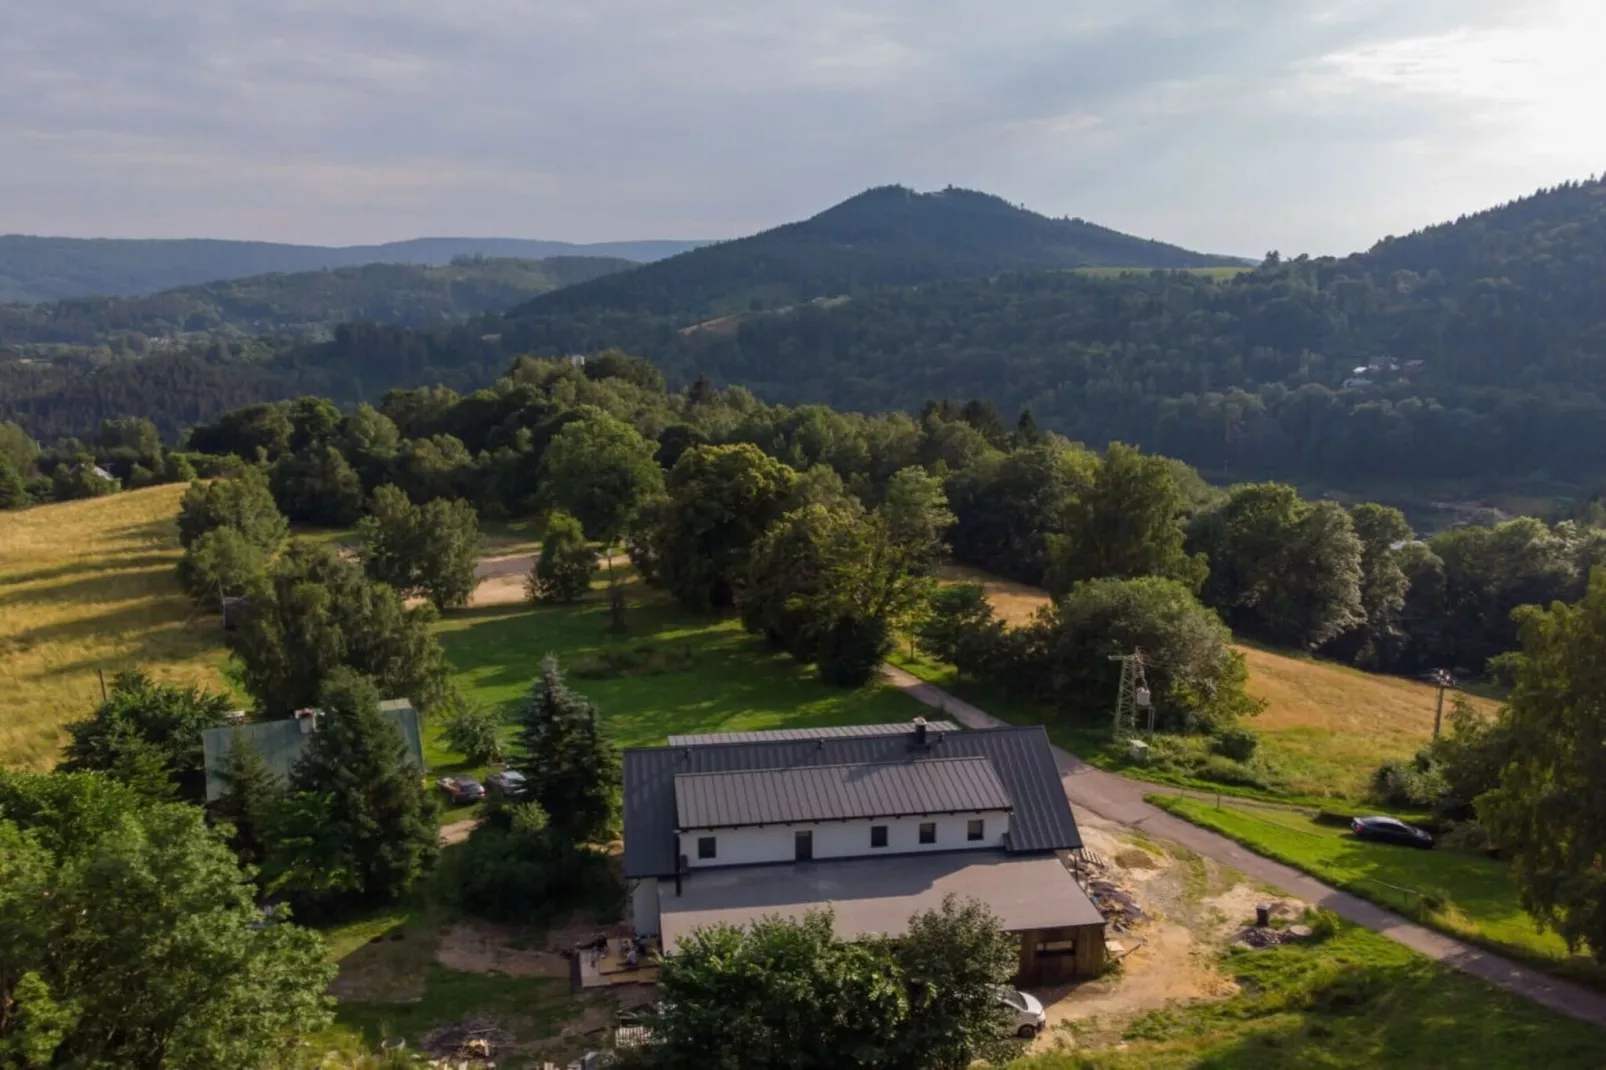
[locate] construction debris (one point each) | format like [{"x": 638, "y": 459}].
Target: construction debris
[
  {"x": 472, "y": 1039},
  {"x": 1120, "y": 910}
]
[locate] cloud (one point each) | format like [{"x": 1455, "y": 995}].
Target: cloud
[{"x": 1236, "y": 126}]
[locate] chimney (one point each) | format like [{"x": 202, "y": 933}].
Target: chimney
[
  {"x": 920, "y": 731},
  {"x": 308, "y": 720}
]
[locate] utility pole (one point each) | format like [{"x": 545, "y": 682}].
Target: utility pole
[
  {"x": 1443, "y": 680},
  {"x": 1132, "y": 695}
]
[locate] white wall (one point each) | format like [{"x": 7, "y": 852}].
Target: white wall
[
  {"x": 841, "y": 839},
  {"x": 644, "y": 907}
]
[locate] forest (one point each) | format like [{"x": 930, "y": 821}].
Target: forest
[{"x": 1468, "y": 350}]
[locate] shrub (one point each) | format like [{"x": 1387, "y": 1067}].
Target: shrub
[
  {"x": 1468, "y": 836},
  {"x": 514, "y": 868},
  {"x": 471, "y": 730},
  {"x": 563, "y": 572},
  {"x": 1323, "y": 924},
  {"x": 645, "y": 659},
  {"x": 1236, "y": 742},
  {"x": 1406, "y": 784},
  {"x": 1224, "y": 770}
]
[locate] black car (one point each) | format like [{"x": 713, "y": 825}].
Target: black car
[{"x": 1390, "y": 830}]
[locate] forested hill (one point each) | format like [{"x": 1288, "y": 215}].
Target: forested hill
[
  {"x": 51, "y": 269},
  {"x": 889, "y": 236},
  {"x": 308, "y": 303}
]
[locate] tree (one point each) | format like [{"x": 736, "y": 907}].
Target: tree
[
  {"x": 953, "y": 960},
  {"x": 369, "y": 440},
  {"x": 830, "y": 586},
  {"x": 1196, "y": 678},
  {"x": 1127, "y": 523},
  {"x": 316, "y": 612},
  {"x": 1008, "y": 507},
  {"x": 81, "y": 478},
  {"x": 778, "y": 994},
  {"x": 959, "y": 628},
  {"x": 721, "y": 499},
  {"x": 1383, "y": 531},
  {"x": 601, "y": 470},
  {"x": 430, "y": 549},
  {"x": 222, "y": 563},
  {"x": 13, "y": 491},
  {"x": 317, "y": 485},
  {"x": 135, "y": 435},
  {"x": 515, "y": 867},
  {"x": 251, "y": 796},
  {"x": 916, "y": 508},
  {"x": 244, "y": 503},
  {"x": 142, "y": 720},
  {"x": 255, "y": 433},
  {"x": 361, "y": 826},
  {"x": 17, "y": 447},
  {"x": 1281, "y": 568},
  {"x": 1549, "y": 811},
  {"x": 563, "y": 572},
  {"x": 568, "y": 760},
  {"x": 129, "y": 938},
  {"x": 471, "y": 731}
]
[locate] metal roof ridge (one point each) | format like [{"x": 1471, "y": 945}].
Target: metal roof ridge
[{"x": 984, "y": 759}]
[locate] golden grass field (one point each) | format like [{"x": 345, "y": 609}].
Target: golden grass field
[
  {"x": 84, "y": 586},
  {"x": 1327, "y": 726}
]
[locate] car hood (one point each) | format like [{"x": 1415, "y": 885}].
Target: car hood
[{"x": 1033, "y": 1004}]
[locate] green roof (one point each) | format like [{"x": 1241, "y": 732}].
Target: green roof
[{"x": 280, "y": 743}]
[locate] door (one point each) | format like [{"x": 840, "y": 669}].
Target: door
[{"x": 805, "y": 846}]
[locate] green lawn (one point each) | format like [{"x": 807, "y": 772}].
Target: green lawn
[
  {"x": 697, "y": 673},
  {"x": 1481, "y": 903},
  {"x": 1356, "y": 1000}
]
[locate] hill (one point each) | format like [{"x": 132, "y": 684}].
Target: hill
[
  {"x": 304, "y": 303},
  {"x": 89, "y": 586},
  {"x": 52, "y": 269},
  {"x": 889, "y": 236}
]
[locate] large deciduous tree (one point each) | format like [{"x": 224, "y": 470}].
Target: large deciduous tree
[
  {"x": 429, "y": 550},
  {"x": 571, "y": 765},
  {"x": 316, "y": 612},
  {"x": 244, "y": 503},
  {"x": 316, "y": 485},
  {"x": 1008, "y": 507},
  {"x": 129, "y": 938},
  {"x": 1128, "y": 522},
  {"x": 220, "y": 564},
  {"x": 1549, "y": 811},
  {"x": 721, "y": 499},
  {"x": 1377, "y": 641},
  {"x": 146, "y": 727},
  {"x": 563, "y": 571}
]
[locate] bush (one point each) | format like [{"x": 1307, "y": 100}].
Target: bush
[
  {"x": 563, "y": 572},
  {"x": 1323, "y": 924},
  {"x": 645, "y": 659},
  {"x": 1468, "y": 836},
  {"x": 471, "y": 731},
  {"x": 1406, "y": 784},
  {"x": 514, "y": 868},
  {"x": 1224, "y": 770},
  {"x": 1236, "y": 742}
]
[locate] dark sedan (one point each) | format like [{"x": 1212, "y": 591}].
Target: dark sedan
[
  {"x": 1390, "y": 830},
  {"x": 462, "y": 789}
]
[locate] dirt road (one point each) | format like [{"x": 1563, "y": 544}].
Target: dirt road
[{"x": 1122, "y": 801}]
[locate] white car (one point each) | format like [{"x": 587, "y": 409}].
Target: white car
[{"x": 1029, "y": 1018}]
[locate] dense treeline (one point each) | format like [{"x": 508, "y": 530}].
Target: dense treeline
[{"x": 307, "y": 303}]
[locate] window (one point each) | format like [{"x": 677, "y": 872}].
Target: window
[
  {"x": 705, "y": 847},
  {"x": 928, "y": 832},
  {"x": 878, "y": 835},
  {"x": 976, "y": 830},
  {"x": 1054, "y": 949}
]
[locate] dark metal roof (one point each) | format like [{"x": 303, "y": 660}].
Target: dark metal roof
[
  {"x": 774, "y": 734},
  {"x": 1020, "y": 758},
  {"x": 837, "y": 792},
  {"x": 281, "y": 742}
]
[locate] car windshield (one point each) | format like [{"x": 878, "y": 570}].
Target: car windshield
[
  {"x": 1012, "y": 998},
  {"x": 467, "y": 782},
  {"x": 511, "y": 777}
]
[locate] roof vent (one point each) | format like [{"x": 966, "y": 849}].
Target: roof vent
[
  {"x": 920, "y": 731},
  {"x": 308, "y": 720}
]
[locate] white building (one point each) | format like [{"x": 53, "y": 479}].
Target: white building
[{"x": 875, "y": 822}]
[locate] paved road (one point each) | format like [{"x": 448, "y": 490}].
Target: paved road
[{"x": 1118, "y": 799}]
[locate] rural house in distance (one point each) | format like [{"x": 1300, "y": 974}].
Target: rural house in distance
[{"x": 875, "y": 822}]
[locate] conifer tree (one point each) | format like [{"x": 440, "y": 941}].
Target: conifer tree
[
  {"x": 568, "y": 760},
  {"x": 252, "y": 792}
]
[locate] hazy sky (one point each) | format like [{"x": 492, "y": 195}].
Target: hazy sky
[{"x": 1225, "y": 125}]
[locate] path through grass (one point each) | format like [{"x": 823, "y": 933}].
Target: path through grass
[{"x": 1480, "y": 898}]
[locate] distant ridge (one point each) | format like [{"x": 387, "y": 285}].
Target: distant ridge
[
  {"x": 53, "y": 269},
  {"x": 886, "y": 236}
]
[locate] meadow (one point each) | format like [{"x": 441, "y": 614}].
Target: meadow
[
  {"x": 88, "y": 587},
  {"x": 1464, "y": 894}
]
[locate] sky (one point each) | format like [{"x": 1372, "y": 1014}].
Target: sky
[{"x": 1233, "y": 126}]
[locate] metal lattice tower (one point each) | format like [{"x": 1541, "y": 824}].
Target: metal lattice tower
[{"x": 1133, "y": 696}]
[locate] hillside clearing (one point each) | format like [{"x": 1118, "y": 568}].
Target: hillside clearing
[
  {"x": 87, "y": 586},
  {"x": 1325, "y": 727}
]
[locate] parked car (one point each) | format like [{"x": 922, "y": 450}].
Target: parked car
[
  {"x": 1390, "y": 830},
  {"x": 1028, "y": 1018},
  {"x": 461, "y": 790},
  {"x": 508, "y": 783}
]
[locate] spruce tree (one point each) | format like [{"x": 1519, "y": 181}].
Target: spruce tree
[
  {"x": 571, "y": 766},
  {"x": 252, "y": 792},
  {"x": 375, "y": 828}
]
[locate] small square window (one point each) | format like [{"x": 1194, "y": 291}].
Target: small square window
[
  {"x": 976, "y": 830},
  {"x": 928, "y": 832},
  {"x": 705, "y": 847},
  {"x": 878, "y": 835}
]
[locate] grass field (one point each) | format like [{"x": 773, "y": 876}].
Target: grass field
[
  {"x": 88, "y": 586},
  {"x": 1480, "y": 901},
  {"x": 1355, "y": 1001},
  {"x": 1325, "y": 727}
]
